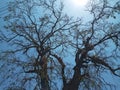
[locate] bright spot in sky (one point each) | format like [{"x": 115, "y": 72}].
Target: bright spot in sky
[
  {"x": 76, "y": 8},
  {"x": 79, "y": 3}
]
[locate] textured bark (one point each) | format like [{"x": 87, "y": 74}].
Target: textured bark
[
  {"x": 74, "y": 82},
  {"x": 44, "y": 75}
]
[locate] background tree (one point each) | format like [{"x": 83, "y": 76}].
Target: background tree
[{"x": 41, "y": 37}]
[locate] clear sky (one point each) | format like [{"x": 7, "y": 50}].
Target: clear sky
[
  {"x": 73, "y": 8},
  {"x": 76, "y": 8}
]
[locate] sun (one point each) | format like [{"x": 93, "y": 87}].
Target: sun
[
  {"x": 79, "y": 3},
  {"x": 76, "y": 8}
]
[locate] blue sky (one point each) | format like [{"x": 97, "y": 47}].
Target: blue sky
[{"x": 69, "y": 9}]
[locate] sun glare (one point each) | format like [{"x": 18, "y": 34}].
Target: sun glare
[
  {"x": 79, "y": 3},
  {"x": 76, "y": 8}
]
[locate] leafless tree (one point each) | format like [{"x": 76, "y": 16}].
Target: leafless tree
[{"x": 41, "y": 37}]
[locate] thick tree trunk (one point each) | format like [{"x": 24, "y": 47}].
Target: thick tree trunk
[
  {"x": 44, "y": 74},
  {"x": 73, "y": 84},
  {"x": 44, "y": 84}
]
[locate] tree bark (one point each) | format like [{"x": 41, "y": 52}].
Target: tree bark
[
  {"x": 44, "y": 75},
  {"x": 73, "y": 84}
]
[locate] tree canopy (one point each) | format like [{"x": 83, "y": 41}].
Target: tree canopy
[{"x": 50, "y": 50}]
